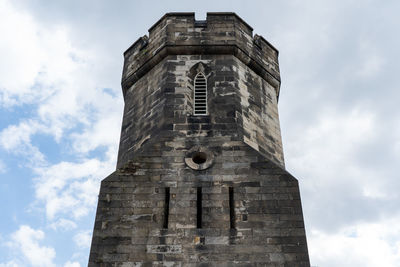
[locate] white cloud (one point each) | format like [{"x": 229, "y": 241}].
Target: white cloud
[
  {"x": 63, "y": 224},
  {"x": 367, "y": 245},
  {"x": 43, "y": 66},
  {"x": 70, "y": 188},
  {"x": 320, "y": 48},
  {"x": 326, "y": 158},
  {"x": 28, "y": 70},
  {"x": 12, "y": 263},
  {"x": 344, "y": 198},
  {"x": 371, "y": 66},
  {"x": 396, "y": 142},
  {"x": 370, "y": 61},
  {"x": 102, "y": 132},
  {"x": 20, "y": 65},
  {"x": 83, "y": 239},
  {"x": 66, "y": 89},
  {"x": 26, "y": 241},
  {"x": 72, "y": 264},
  {"x": 17, "y": 140},
  {"x": 63, "y": 85},
  {"x": 330, "y": 142}
]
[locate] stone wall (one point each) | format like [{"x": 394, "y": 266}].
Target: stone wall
[
  {"x": 268, "y": 222},
  {"x": 200, "y": 190},
  {"x": 181, "y": 34},
  {"x": 258, "y": 113},
  {"x": 240, "y": 103}
]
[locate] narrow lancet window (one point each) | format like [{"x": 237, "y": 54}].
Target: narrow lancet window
[
  {"x": 166, "y": 208},
  {"x": 231, "y": 208},
  {"x": 200, "y": 94},
  {"x": 199, "y": 207}
]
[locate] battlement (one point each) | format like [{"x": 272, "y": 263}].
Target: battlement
[
  {"x": 204, "y": 188},
  {"x": 220, "y": 33}
]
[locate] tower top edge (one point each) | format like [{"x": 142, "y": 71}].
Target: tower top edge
[
  {"x": 172, "y": 14},
  {"x": 179, "y": 33},
  {"x": 212, "y": 18},
  {"x": 210, "y": 15}
]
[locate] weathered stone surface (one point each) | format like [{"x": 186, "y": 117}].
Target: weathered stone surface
[
  {"x": 242, "y": 103},
  {"x": 149, "y": 208}
]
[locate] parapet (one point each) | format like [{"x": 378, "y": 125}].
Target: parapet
[{"x": 182, "y": 34}]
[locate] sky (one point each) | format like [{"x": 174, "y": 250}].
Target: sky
[{"x": 61, "y": 109}]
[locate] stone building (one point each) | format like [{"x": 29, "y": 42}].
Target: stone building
[{"x": 200, "y": 178}]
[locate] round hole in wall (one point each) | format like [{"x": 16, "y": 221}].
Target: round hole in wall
[{"x": 199, "y": 157}]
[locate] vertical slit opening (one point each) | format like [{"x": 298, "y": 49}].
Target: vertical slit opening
[
  {"x": 166, "y": 207},
  {"x": 199, "y": 207},
  {"x": 231, "y": 208}
]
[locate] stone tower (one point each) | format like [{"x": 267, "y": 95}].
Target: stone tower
[{"x": 200, "y": 178}]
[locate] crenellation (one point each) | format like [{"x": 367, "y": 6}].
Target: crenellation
[
  {"x": 224, "y": 33},
  {"x": 224, "y": 168}
]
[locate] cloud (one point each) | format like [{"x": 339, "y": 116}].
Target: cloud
[
  {"x": 27, "y": 250},
  {"x": 336, "y": 180},
  {"x": 16, "y": 139},
  {"x": 44, "y": 67},
  {"x": 101, "y": 133},
  {"x": 58, "y": 88},
  {"x": 20, "y": 65},
  {"x": 26, "y": 241},
  {"x": 72, "y": 264},
  {"x": 70, "y": 188},
  {"x": 366, "y": 244},
  {"x": 332, "y": 140},
  {"x": 63, "y": 224},
  {"x": 339, "y": 110},
  {"x": 28, "y": 70},
  {"x": 83, "y": 239},
  {"x": 68, "y": 102},
  {"x": 10, "y": 264}
]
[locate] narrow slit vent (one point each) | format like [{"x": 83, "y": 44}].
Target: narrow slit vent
[
  {"x": 199, "y": 207},
  {"x": 200, "y": 95},
  {"x": 231, "y": 208},
  {"x": 166, "y": 207}
]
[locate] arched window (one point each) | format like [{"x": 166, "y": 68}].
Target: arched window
[{"x": 200, "y": 94}]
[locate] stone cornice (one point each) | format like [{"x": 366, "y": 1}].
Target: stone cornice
[{"x": 220, "y": 34}]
